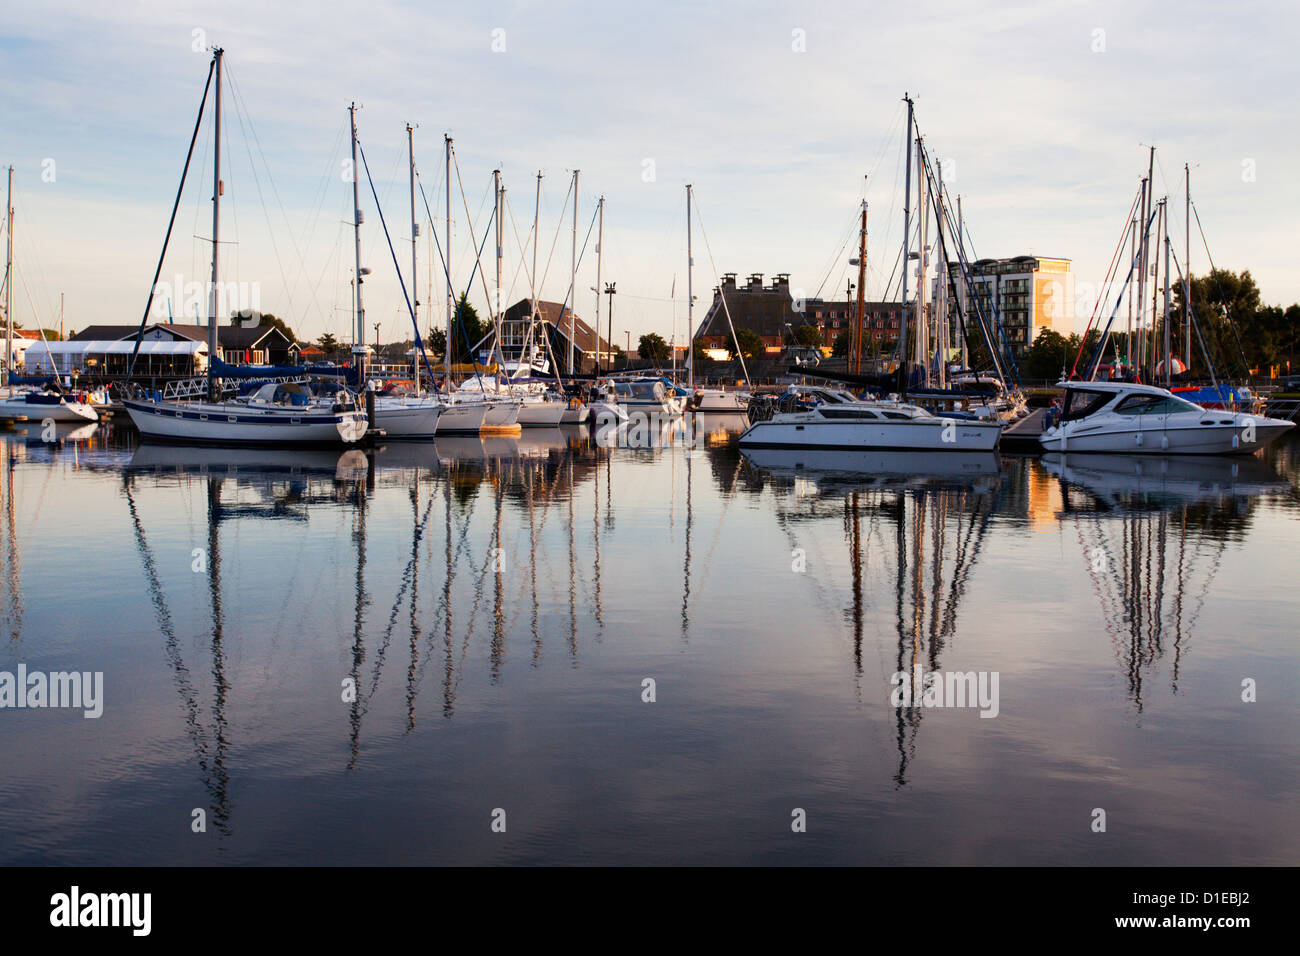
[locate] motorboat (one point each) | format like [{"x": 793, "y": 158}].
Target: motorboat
[
  {"x": 647, "y": 395},
  {"x": 832, "y": 418},
  {"x": 1128, "y": 418},
  {"x": 280, "y": 413},
  {"x": 719, "y": 400}
]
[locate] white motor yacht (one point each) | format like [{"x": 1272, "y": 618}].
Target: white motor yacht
[
  {"x": 1127, "y": 418},
  {"x": 837, "y": 419}
]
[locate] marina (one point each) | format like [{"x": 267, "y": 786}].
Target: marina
[
  {"x": 700, "y": 436},
  {"x": 489, "y": 600}
]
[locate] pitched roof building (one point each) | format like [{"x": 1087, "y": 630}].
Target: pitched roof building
[{"x": 555, "y": 319}]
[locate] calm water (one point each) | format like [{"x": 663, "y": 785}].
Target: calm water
[{"x": 498, "y": 604}]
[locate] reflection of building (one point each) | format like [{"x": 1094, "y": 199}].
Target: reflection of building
[
  {"x": 1030, "y": 293},
  {"x": 553, "y": 318},
  {"x": 775, "y": 315}
]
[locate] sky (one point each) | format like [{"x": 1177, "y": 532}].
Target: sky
[{"x": 1041, "y": 114}]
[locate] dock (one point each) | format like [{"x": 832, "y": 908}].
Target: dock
[{"x": 1023, "y": 435}]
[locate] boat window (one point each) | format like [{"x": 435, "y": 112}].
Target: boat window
[
  {"x": 837, "y": 412},
  {"x": 1080, "y": 403},
  {"x": 1153, "y": 405},
  {"x": 896, "y": 415}
]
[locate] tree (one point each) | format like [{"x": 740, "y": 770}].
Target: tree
[
  {"x": 436, "y": 342},
  {"x": 809, "y": 336},
  {"x": 745, "y": 342},
  {"x": 467, "y": 330},
  {"x": 700, "y": 353},
  {"x": 1046, "y": 355},
  {"x": 841, "y": 347},
  {"x": 269, "y": 319},
  {"x": 652, "y": 347},
  {"x": 329, "y": 345}
]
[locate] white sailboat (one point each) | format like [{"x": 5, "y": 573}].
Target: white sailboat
[
  {"x": 25, "y": 402},
  {"x": 276, "y": 413}
]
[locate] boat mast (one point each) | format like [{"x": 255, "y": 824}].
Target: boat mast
[
  {"x": 600, "y": 242},
  {"x": 213, "y": 350},
  {"x": 862, "y": 295},
  {"x": 923, "y": 257},
  {"x": 573, "y": 272},
  {"x": 1128, "y": 335},
  {"x": 415, "y": 234},
  {"x": 1187, "y": 270},
  {"x": 1155, "y": 285},
  {"x": 907, "y": 253},
  {"x": 941, "y": 277},
  {"x": 1147, "y": 202},
  {"x": 9, "y": 279},
  {"x": 359, "y": 348},
  {"x": 961, "y": 257},
  {"x": 496, "y": 298},
  {"x": 1169, "y": 340},
  {"x": 690, "y": 299},
  {"x": 446, "y": 358},
  {"x": 532, "y": 304}
]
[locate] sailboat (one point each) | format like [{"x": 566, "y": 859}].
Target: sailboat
[
  {"x": 397, "y": 416},
  {"x": 704, "y": 399},
  {"x": 277, "y": 413},
  {"x": 837, "y": 419},
  {"x": 24, "y": 402}
]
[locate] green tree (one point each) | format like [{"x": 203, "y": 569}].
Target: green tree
[
  {"x": 436, "y": 342},
  {"x": 1046, "y": 355},
  {"x": 329, "y": 345},
  {"x": 808, "y": 336},
  {"x": 841, "y": 347},
  {"x": 745, "y": 342},
  {"x": 467, "y": 331},
  {"x": 652, "y": 347},
  {"x": 269, "y": 319}
]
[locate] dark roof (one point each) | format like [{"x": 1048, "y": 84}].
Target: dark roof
[
  {"x": 550, "y": 312},
  {"x": 228, "y": 336}
]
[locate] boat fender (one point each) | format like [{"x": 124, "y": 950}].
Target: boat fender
[
  {"x": 1164, "y": 442},
  {"x": 1139, "y": 439}
]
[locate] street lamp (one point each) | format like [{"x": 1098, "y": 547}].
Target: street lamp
[{"x": 609, "y": 291}]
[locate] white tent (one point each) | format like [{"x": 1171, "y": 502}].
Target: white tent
[{"x": 64, "y": 357}]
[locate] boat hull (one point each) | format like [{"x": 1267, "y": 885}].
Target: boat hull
[
  {"x": 929, "y": 434},
  {"x": 55, "y": 411},
  {"x": 542, "y": 414},
  {"x": 215, "y": 424},
  {"x": 461, "y": 418},
  {"x": 1194, "y": 439},
  {"x": 415, "y": 419}
]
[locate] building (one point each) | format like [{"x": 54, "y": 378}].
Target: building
[
  {"x": 166, "y": 350},
  {"x": 772, "y": 312},
  {"x": 554, "y": 318},
  {"x": 1031, "y": 293},
  {"x": 22, "y": 341},
  {"x": 256, "y": 345}
]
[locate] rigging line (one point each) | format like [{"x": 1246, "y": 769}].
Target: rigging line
[
  {"x": 1223, "y": 299},
  {"x": 419, "y": 343},
  {"x": 1106, "y": 283},
  {"x": 478, "y": 266},
  {"x": 257, "y": 182},
  {"x": 721, "y": 295},
  {"x": 241, "y": 113},
  {"x": 559, "y": 224},
  {"x": 198, "y": 123}
]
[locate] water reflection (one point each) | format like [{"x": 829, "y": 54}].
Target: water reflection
[
  {"x": 1152, "y": 533},
  {"x": 472, "y": 589}
]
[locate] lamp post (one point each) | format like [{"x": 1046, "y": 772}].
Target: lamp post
[{"x": 609, "y": 291}]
